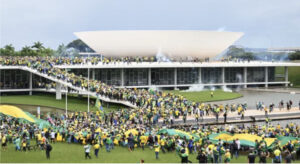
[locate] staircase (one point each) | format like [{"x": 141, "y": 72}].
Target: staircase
[{"x": 80, "y": 90}]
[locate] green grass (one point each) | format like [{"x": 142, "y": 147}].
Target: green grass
[
  {"x": 204, "y": 96},
  {"x": 74, "y": 153},
  {"x": 294, "y": 74},
  {"x": 49, "y": 100}
]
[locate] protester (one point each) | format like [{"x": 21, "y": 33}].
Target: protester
[
  {"x": 48, "y": 149},
  {"x": 251, "y": 157},
  {"x": 156, "y": 149},
  {"x": 110, "y": 128},
  {"x": 96, "y": 149},
  {"x": 87, "y": 149},
  {"x": 201, "y": 157}
]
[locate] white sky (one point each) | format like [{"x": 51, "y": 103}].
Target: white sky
[{"x": 266, "y": 23}]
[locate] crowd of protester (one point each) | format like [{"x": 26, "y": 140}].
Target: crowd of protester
[
  {"x": 150, "y": 102},
  {"x": 96, "y": 130},
  {"x": 109, "y": 129}
]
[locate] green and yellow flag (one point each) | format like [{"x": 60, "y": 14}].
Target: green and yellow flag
[{"x": 98, "y": 104}]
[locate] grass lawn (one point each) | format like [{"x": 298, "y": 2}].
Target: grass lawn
[
  {"x": 74, "y": 103},
  {"x": 74, "y": 153},
  {"x": 294, "y": 74},
  {"x": 204, "y": 96}
]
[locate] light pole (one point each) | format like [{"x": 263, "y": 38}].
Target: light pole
[
  {"x": 66, "y": 93},
  {"x": 88, "y": 83}
]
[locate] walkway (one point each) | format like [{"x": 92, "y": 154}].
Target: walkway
[{"x": 233, "y": 116}]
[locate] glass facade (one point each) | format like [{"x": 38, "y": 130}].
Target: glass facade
[
  {"x": 187, "y": 75},
  {"x": 39, "y": 82},
  {"x": 19, "y": 79},
  {"x": 135, "y": 77},
  {"x": 14, "y": 79},
  {"x": 234, "y": 75},
  {"x": 162, "y": 76},
  {"x": 108, "y": 76},
  {"x": 211, "y": 75},
  {"x": 271, "y": 74},
  {"x": 255, "y": 74}
]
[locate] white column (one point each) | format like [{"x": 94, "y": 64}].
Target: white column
[
  {"x": 88, "y": 91},
  {"x": 266, "y": 77},
  {"x": 245, "y": 77},
  {"x": 286, "y": 75},
  {"x": 93, "y": 74},
  {"x": 58, "y": 91},
  {"x": 149, "y": 77},
  {"x": 175, "y": 77},
  {"x": 223, "y": 75},
  {"x": 122, "y": 77},
  {"x": 199, "y": 75},
  {"x": 30, "y": 83}
]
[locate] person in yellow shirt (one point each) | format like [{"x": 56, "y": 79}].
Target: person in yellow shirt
[
  {"x": 227, "y": 156},
  {"x": 4, "y": 142},
  {"x": 156, "y": 149},
  {"x": 24, "y": 145},
  {"x": 163, "y": 143},
  {"x": 96, "y": 147},
  {"x": 143, "y": 141},
  {"x": 277, "y": 154}
]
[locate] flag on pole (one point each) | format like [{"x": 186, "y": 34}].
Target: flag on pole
[{"x": 98, "y": 104}]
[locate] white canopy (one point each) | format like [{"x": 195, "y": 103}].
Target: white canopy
[{"x": 150, "y": 43}]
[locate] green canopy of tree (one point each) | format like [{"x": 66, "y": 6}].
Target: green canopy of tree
[
  {"x": 37, "y": 49},
  {"x": 7, "y": 50},
  {"x": 240, "y": 53},
  {"x": 294, "y": 55}
]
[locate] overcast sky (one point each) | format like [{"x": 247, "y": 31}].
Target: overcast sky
[{"x": 266, "y": 23}]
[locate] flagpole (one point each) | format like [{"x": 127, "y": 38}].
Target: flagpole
[
  {"x": 66, "y": 94},
  {"x": 88, "y": 84}
]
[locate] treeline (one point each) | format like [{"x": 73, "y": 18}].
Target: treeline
[
  {"x": 37, "y": 49},
  {"x": 294, "y": 56}
]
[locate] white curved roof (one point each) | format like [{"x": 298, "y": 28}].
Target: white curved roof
[{"x": 149, "y": 43}]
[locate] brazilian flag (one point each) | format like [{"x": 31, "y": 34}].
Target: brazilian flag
[{"x": 98, "y": 104}]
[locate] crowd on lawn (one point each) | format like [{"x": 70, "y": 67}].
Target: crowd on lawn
[{"x": 95, "y": 130}]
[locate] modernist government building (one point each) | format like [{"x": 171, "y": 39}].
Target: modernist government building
[{"x": 176, "y": 73}]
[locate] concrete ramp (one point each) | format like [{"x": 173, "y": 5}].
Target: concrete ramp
[{"x": 80, "y": 90}]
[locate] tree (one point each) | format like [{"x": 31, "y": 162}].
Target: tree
[
  {"x": 38, "y": 45},
  {"x": 48, "y": 52},
  {"x": 61, "y": 50},
  {"x": 8, "y": 50},
  {"x": 294, "y": 55},
  {"x": 238, "y": 52},
  {"x": 38, "y": 48},
  {"x": 27, "y": 51}
]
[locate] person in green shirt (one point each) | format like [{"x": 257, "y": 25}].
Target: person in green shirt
[
  {"x": 17, "y": 143},
  {"x": 108, "y": 142}
]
